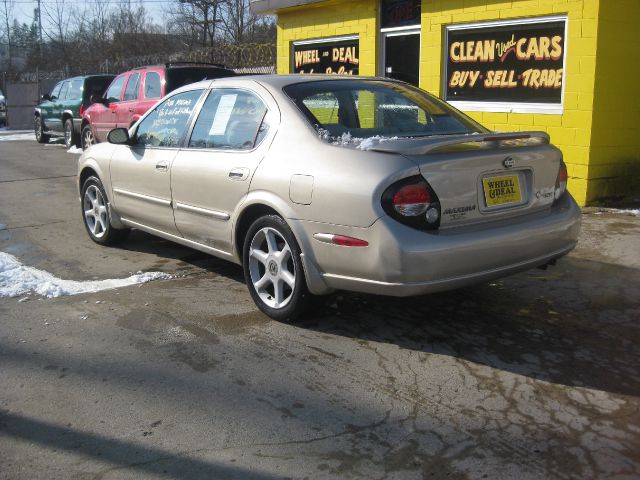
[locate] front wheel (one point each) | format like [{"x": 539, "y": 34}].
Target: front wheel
[
  {"x": 95, "y": 214},
  {"x": 273, "y": 269},
  {"x": 87, "y": 137},
  {"x": 41, "y": 137}
]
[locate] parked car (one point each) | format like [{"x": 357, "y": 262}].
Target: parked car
[
  {"x": 3, "y": 110},
  {"x": 132, "y": 93},
  {"x": 60, "y": 112},
  {"x": 318, "y": 183}
]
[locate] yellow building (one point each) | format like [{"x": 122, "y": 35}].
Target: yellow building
[{"x": 568, "y": 67}]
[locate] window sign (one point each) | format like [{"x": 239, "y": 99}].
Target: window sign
[
  {"x": 399, "y": 13},
  {"x": 332, "y": 55},
  {"x": 506, "y": 63}
]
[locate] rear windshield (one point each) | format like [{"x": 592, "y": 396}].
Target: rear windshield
[
  {"x": 177, "y": 77},
  {"x": 346, "y": 109},
  {"x": 95, "y": 86}
]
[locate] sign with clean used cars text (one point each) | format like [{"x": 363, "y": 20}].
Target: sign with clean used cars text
[
  {"x": 516, "y": 62},
  {"x": 333, "y": 56}
]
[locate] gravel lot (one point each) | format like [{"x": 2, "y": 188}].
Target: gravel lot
[{"x": 535, "y": 376}]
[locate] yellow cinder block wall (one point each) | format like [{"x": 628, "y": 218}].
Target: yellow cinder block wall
[
  {"x": 330, "y": 19},
  {"x": 614, "y": 167},
  {"x": 571, "y": 130}
]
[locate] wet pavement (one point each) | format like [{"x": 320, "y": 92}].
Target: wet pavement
[{"x": 533, "y": 376}]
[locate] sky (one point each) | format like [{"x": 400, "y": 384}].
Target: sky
[{"x": 23, "y": 9}]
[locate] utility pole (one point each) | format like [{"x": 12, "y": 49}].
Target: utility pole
[{"x": 39, "y": 32}]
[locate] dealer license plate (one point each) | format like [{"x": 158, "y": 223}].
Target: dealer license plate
[{"x": 502, "y": 190}]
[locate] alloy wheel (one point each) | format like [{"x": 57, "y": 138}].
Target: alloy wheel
[
  {"x": 272, "y": 268},
  {"x": 95, "y": 211},
  {"x": 87, "y": 138}
]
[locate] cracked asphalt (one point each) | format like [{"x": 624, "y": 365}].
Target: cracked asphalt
[{"x": 536, "y": 376}]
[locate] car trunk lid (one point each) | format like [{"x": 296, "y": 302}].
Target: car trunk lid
[{"x": 484, "y": 177}]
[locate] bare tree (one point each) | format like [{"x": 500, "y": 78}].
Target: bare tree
[
  {"x": 197, "y": 20},
  {"x": 7, "y": 17},
  {"x": 239, "y": 21},
  {"x": 56, "y": 12}
]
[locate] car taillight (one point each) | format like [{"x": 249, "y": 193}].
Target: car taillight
[
  {"x": 81, "y": 109},
  {"x": 561, "y": 181},
  {"x": 413, "y": 202}
]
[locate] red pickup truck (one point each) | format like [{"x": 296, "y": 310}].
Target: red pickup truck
[{"x": 132, "y": 93}]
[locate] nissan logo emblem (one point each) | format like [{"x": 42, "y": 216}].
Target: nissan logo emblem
[{"x": 508, "y": 162}]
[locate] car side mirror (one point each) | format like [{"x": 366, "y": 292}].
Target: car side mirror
[
  {"x": 99, "y": 99},
  {"x": 118, "y": 136},
  {"x": 46, "y": 97}
]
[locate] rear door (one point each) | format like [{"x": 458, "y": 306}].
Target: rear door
[
  {"x": 125, "y": 108},
  {"x": 55, "y": 120},
  {"x": 140, "y": 173},
  {"x": 211, "y": 176}
]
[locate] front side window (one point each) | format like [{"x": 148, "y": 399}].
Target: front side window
[
  {"x": 367, "y": 108},
  {"x": 167, "y": 123},
  {"x": 56, "y": 91},
  {"x": 230, "y": 119},
  {"x": 115, "y": 90},
  {"x": 131, "y": 92},
  {"x": 64, "y": 90},
  {"x": 152, "y": 88}
]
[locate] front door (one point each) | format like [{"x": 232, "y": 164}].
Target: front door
[
  {"x": 141, "y": 173},
  {"x": 104, "y": 117},
  {"x": 402, "y": 56},
  {"x": 211, "y": 176}
]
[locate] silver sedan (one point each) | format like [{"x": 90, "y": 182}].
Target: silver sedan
[{"x": 318, "y": 183}]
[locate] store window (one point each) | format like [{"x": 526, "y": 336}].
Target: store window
[
  {"x": 506, "y": 66},
  {"x": 400, "y": 38},
  {"x": 336, "y": 55}
]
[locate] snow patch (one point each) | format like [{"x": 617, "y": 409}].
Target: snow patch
[
  {"x": 623, "y": 211},
  {"x": 17, "y": 279},
  {"x": 75, "y": 150},
  {"x": 17, "y": 137},
  {"x": 348, "y": 140}
]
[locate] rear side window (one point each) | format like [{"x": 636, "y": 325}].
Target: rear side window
[
  {"x": 75, "y": 90},
  {"x": 131, "y": 92},
  {"x": 152, "y": 87},
  {"x": 229, "y": 119},
  {"x": 167, "y": 123},
  {"x": 115, "y": 90},
  {"x": 95, "y": 86}
]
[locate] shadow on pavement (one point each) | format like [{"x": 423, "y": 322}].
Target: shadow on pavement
[{"x": 119, "y": 453}]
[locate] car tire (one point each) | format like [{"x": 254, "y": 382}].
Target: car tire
[
  {"x": 87, "y": 137},
  {"x": 96, "y": 214},
  {"x": 41, "y": 137},
  {"x": 273, "y": 269},
  {"x": 70, "y": 137}
]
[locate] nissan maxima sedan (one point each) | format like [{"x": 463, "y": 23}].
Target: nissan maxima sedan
[{"x": 318, "y": 183}]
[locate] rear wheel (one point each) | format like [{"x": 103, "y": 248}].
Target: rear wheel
[
  {"x": 87, "y": 137},
  {"x": 273, "y": 269},
  {"x": 70, "y": 137},
  {"x": 41, "y": 137},
  {"x": 96, "y": 215}
]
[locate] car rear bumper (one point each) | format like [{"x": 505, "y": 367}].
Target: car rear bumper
[{"x": 401, "y": 261}]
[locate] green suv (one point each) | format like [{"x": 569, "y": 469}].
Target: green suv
[{"x": 59, "y": 113}]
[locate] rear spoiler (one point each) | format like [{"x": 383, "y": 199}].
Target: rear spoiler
[{"x": 454, "y": 143}]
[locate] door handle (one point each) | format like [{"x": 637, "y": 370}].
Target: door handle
[
  {"x": 239, "y": 173},
  {"x": 131, "y": 110},
  {"x": 162, "y": 166}
]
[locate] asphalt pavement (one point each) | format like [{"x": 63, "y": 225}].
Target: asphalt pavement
[{"x": 536, "y": 376}]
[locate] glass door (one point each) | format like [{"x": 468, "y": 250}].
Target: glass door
[{"x": 401, "y": 56}]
